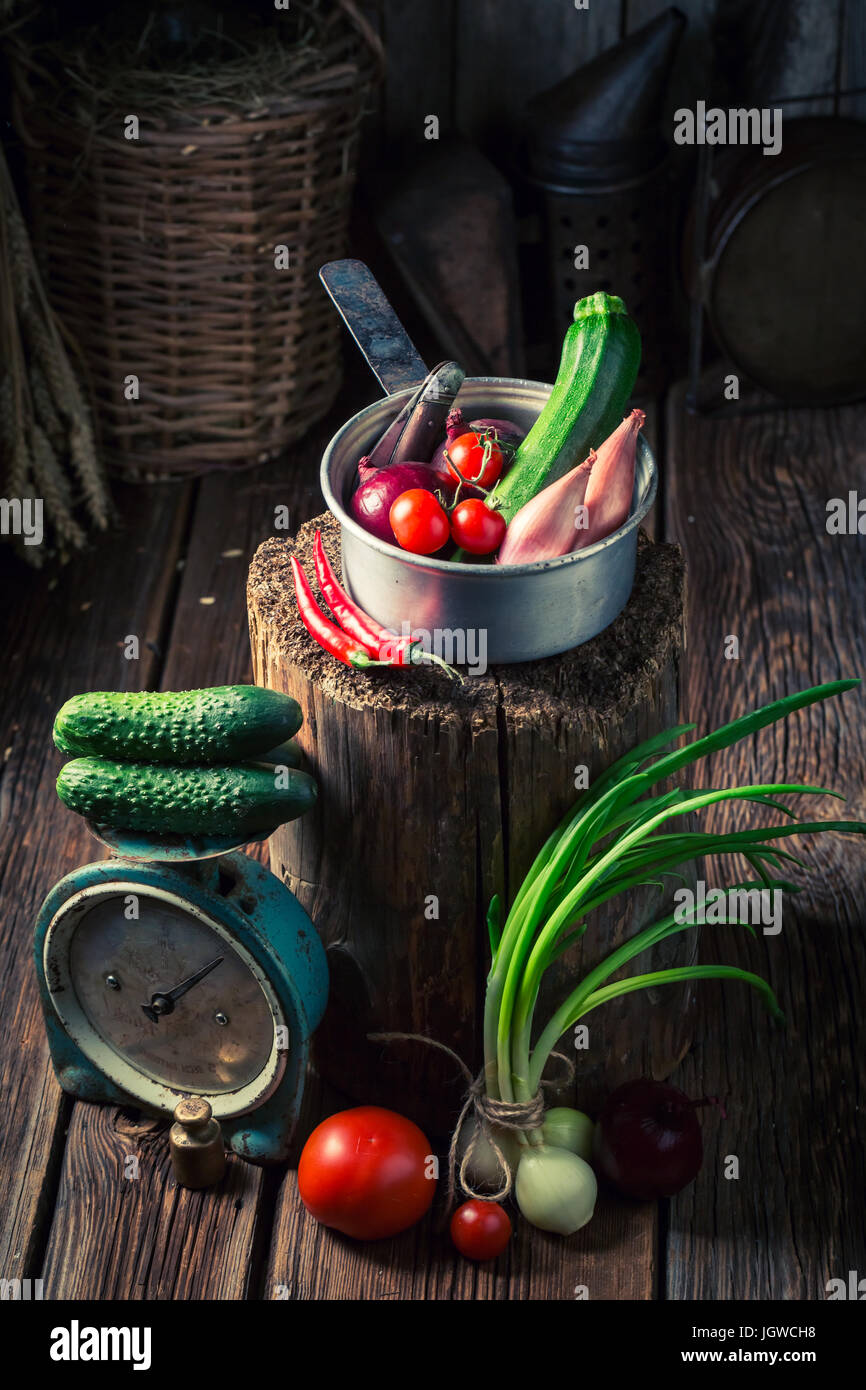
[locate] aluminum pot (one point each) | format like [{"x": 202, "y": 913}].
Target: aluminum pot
[{"x": 509, "y": 613}]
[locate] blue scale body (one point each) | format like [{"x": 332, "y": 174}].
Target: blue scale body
[{"x": 267, "y": 920}]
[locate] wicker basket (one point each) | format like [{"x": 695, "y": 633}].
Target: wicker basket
[{"x": 159, "y": 255}]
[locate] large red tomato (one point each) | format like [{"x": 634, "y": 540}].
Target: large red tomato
[{"x": 364, "y": 1172}]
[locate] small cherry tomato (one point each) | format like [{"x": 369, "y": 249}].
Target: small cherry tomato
[
  {"x": 418, "y": 521},
  {"x": 365, "y": 1172},
  {"x": 477, "y": 527},
  {"x": 475, "y": 458},
  {"x": 480, "y": 1230}
]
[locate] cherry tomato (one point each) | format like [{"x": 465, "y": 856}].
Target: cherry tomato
[
  {"x": 364, "y": 1172},
  {"x": 475, "y": 458},
  {"x": 480, "y": 1230},
  {"x": 477, "y": 527},
  {"x": 418, "y": 521}
]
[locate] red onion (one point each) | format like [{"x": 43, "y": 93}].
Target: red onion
[
  {"x": 372, "y": 501},
  {"x": 506, "y": 430},
  {"x": 647, "y": 1140}
]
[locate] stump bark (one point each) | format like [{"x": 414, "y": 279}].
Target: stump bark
[{"x": 433, "y": 796}]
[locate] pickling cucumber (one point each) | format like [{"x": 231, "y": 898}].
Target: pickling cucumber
[
  {"x": 597, "y": 373},
  {"x": 233, "y": 799},
  {"x": 228, "y": 723}
]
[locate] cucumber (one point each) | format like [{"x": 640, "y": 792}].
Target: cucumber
[
  {"x": 228, "y": 723},
  {"x": 597, "y": 372},
  {"x": 234, "y": 799},
  {"x": 287, "y": 754}
]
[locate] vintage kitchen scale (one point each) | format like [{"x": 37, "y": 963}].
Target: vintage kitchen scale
[{"x": 182, "y": 968}]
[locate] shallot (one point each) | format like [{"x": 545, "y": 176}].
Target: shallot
[
  {"x": 545, "y": 526},
  {"x": 611, "y": 487}
]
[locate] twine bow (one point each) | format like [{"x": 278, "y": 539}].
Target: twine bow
[{"x": 512, "y": 1116}]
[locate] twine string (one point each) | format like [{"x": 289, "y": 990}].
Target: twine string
[{"x": 511, "y": 1116}]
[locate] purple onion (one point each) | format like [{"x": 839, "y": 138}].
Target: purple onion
[
  {"x": 381, "y": 487},
  {"x": 505, "y": 429},
  {"x": 647, "y": 1141}
]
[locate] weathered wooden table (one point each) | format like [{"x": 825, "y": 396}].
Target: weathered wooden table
[{"x": 747, "y": 499}]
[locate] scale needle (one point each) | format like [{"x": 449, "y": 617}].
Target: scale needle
[{"x": 163, "y": 1002}]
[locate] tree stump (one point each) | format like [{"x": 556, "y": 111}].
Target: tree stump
[{"x": 433, "y": 796}]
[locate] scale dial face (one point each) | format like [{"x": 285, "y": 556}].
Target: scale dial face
[{"x": 167, "y": 1003}]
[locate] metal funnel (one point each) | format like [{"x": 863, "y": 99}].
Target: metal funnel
[{"x": 601, "y": 124}]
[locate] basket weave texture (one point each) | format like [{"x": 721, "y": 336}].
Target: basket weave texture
[{"x": 159, "y": 255}]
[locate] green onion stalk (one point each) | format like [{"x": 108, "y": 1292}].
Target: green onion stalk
[{"x": 616, "y": 836}]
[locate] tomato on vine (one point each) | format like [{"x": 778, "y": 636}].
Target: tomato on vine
[
  {"x": 476, "y": 527},
  {"x": 475, "y": 458},
  {"x": 419, "y": 521}
]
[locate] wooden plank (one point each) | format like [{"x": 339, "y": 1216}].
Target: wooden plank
[
  {"x": 450, "y": 228},
  {"x": 124, "y": 1230},
  {"x": 506, "y": 53},
  {"x": 62, "y": 634},
  {"x": 147, "y": 1238},
  {"x": 419, "y": 42},
  {"x": 373, "y": 130},
  {"x": 755, "y": 52},
  {"x": 793, "y": 50},
  {"x": 612, "y": 1258},
  {"x": 209, "y": 641},
  {"x": 762, "y": 567},
  {"x": 853, "y": 58}
]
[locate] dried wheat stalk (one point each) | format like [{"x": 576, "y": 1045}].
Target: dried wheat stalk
[{"x": 45, "y": 429}]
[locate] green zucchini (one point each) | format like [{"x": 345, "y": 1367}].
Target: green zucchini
[
  {"x": 228, "y": 723},
  {"x": 236, "y": 799},
  {"x": 600, "y": 360}
]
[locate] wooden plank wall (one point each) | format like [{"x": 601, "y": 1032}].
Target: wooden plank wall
[
  {"x": 63, "y": 635},
  {"x": 473, "y": 63},
  {"x": 852, "y": 66},
  {"x": 762, "y": 566}
]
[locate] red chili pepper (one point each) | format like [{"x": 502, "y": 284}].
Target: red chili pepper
[
  {"x": 354, "y": 620},
  {"x": 334, "y": 640}
]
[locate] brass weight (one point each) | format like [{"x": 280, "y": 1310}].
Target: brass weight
[{"x": 195, "y": 1140}]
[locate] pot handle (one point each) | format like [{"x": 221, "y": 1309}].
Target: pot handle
[{"x": 360, "y": 301}]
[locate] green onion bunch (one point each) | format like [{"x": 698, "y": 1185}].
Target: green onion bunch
[{"x": 618, "y": 836}]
